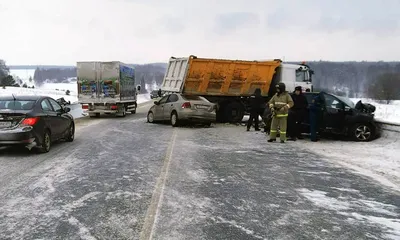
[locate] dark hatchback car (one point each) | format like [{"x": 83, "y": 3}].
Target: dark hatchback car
[
  {"x": 339, "y": 115},
  {"x": 154, "y": 94},
  {"x": 34, "y": 122}
]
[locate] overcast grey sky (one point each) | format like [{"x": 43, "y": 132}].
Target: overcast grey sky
[{"x": 140, "y": 31}]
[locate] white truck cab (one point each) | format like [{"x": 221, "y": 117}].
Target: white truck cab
[{"x": 293, "y": 75}]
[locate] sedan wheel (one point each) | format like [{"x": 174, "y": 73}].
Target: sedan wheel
[
  {"x": 46, "y": 143},
  {"x": 174, "y": 119},
  {"x": 150, "y": 117},
  {"x": 71, "y": 133},
  {"x": 362, "y": 132}
]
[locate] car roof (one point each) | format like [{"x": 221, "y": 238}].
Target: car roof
[{"x": 22, "y": 97}]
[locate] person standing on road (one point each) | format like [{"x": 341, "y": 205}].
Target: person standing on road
[
  {"x": 257, "y": 105},
  {"x": 159, "y": 93},
  {"x": 280, "y": 104},
  {"x": 315, "y": 116},
  {"x": 297, "y": 114}
]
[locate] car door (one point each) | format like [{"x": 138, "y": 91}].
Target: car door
[
  {"x": 169, "y": 106},
  {"x": 50, "y": 118},
  {"x": 62, "y": 120},
  {"x": 334, "y": 114},
  {"x": 159, "y": 108}
]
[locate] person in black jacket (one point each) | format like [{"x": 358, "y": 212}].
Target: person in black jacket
[
  {"x": 257, "y": 106},
  {"x": 297, "y": 114}
]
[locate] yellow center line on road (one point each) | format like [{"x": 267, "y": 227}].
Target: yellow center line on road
[{"x": 158, "y": 193}]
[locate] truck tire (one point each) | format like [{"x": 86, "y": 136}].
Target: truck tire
[
  {"x": 234, "y": 112},
  {"x": 134, "y": 111},
  {"x": 122, "y": 113}
]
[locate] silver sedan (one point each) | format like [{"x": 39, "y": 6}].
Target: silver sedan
[{"x": 178, "y": 108}]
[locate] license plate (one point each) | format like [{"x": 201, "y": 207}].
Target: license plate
[
  {"x": 202, "y": 107},
  {"x": 5, "y": 124}
]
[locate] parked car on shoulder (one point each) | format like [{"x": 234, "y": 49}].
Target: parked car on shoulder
[
  {"x": 34, "y": 122},
  {"x": 339, "y": 115},
  {"x": 178, "y": 108}
]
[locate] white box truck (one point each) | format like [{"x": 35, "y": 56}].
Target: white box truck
[{"x": 107, "y": 88}]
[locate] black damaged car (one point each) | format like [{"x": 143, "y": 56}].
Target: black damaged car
[
  {"x": 34, "y": 122},
  {"x": 339, "y": 115}
]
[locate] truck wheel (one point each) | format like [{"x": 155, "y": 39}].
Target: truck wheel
[
  {"x": 122, "y": 114},
  {"x": 234, "y": 112},
  {"x": 174, "y": 119},
  {"x": 134, "y": 111},
  {"x": 362, "y": 132}
]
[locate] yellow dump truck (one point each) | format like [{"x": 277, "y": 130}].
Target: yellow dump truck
[{"x": 229, "y": 83}]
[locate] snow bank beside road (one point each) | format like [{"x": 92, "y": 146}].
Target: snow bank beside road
[
  {"x": 142, "y": 98},
  {"x": 33, "y": 91},
  {"x": 377, "y": 159}
]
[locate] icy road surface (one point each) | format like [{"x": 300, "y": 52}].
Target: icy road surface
[{"x": 125, "y": 179}]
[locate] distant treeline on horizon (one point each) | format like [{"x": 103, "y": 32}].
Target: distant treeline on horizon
[
  {"x": 350, "y": 78},
  {"x": 165, "y": 64}
]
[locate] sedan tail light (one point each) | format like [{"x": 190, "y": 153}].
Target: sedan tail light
[
  {"x": 186, "y": 105},
  {"x": 85, "y": 106},
  {"x": 30, "y": 121}
]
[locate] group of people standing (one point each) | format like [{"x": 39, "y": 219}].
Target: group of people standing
[{"x": 288, "y": 113}]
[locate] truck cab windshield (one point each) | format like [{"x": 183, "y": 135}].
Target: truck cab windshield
[{"x": 302, "y": 76}]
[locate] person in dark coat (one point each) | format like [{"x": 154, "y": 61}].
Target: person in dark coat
[
  {"x": 257, "y": 106},
  {"x": 297, "y": 114},
  {"x": 159, "y": 93},
  {"x": 316, "y": 109}
]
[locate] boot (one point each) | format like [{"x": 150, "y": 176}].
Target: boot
[
  {"x": 272, "y": 140},
  {"x": 282, "y": 141}
]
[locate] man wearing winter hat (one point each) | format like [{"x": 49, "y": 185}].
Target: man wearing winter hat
[
  {"x": 297, "y": 114},
  {"x": 279, "y": 105}
]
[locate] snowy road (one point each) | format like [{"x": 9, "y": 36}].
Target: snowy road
[{"x": 126, "y": 179}]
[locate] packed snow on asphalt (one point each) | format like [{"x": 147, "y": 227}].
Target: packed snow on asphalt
[{"x": 123, "y": 178}]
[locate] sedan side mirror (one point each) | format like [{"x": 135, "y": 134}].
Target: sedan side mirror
[
  {"x": 67, "y": 109},
  {"x": 156, "y": 102}
]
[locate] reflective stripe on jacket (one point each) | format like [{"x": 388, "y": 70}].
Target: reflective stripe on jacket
[{"x": 281, "y": 103}]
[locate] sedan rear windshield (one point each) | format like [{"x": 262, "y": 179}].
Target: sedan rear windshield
[
  {"x": 194, "y": 98},
  {"x": 17, "y": 104}
]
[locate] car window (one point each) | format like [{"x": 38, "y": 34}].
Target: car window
[
  {"x": 173, "y": 98},
  {"x": 55, "y": 105},
  {"x": 17, "y": 104},
  {"x": 309, "y": 98},
  {"x": 194, "y": 98},
  {"x": 46, "y": 105},
  {"x": 332, "y": 102},
  {"x": 163, "y": 100}
]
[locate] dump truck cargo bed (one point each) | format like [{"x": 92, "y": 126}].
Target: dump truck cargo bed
[{"x": 219, "y": 77}]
